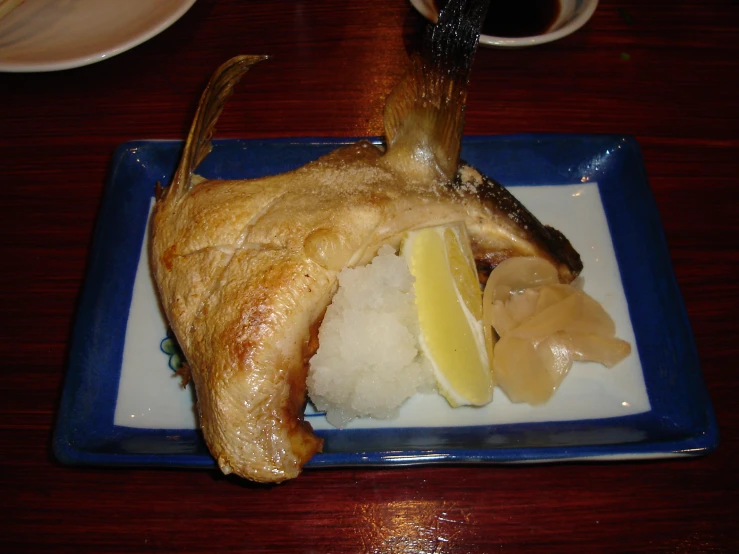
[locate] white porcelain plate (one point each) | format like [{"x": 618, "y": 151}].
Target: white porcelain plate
[
  {"x": 49, "y": 35},
  {"x": 122, "y": 404}
]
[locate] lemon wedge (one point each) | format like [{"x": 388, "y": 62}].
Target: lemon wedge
[{"x": 449, "y": 304}]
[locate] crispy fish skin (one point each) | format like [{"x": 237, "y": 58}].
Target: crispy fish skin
[
  {"x": 510, "y": 218},
  {"x": 246, "y": 268}
]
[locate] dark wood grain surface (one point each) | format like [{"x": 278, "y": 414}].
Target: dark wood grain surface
[{"x": 664, "y": 71}]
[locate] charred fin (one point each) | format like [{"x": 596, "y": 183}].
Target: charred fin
[
  {"x": 424, "y": 114},
  {"x": 214, "y": 97}
]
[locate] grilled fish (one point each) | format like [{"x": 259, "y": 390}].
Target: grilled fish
[{"x": 246, "y": 268}]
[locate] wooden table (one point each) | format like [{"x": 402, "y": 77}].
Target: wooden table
[{"x": 663, "y": 72}]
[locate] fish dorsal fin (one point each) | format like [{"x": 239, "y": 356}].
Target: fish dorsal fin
[
  {"x": 424, "y": 114},
  {"x": 214, "y": 98}
]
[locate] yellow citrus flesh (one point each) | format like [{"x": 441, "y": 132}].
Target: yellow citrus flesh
[
  {"x": 462, "y": 267},
  {"x": 449, "y": 304}
]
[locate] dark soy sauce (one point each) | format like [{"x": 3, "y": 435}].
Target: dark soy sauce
[{"x": 518, "y": 18}]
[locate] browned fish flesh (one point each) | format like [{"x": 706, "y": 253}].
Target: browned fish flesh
[{"x": 246, "y": 268}]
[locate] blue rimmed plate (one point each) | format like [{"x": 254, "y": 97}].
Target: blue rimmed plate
[{"x": 121, "y": 403}]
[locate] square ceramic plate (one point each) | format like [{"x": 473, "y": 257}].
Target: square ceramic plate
[{"x": 122, "y": 405}]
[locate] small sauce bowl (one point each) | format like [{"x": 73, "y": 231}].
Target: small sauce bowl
[{"x": 572, "y": 15}]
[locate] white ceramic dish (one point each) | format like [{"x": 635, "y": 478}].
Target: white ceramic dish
[
  {"x": 50, "y": 35},
  {"x": 573, "y": 14}
]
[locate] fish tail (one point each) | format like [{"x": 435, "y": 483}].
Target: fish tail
[
  {"x": 424, "y": 114},
  {"x": 198, "y": 144}
]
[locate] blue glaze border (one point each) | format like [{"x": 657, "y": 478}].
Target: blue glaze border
[{"x": 681, "y": 420}]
